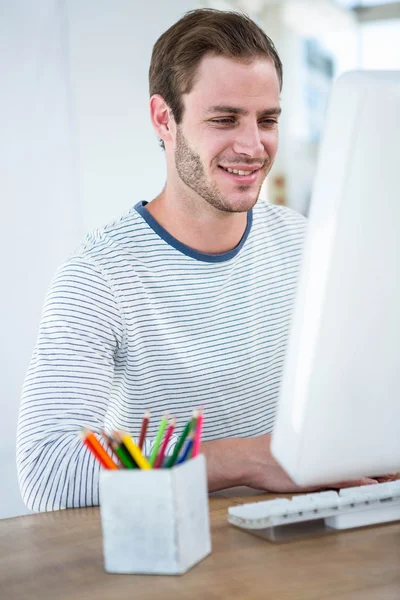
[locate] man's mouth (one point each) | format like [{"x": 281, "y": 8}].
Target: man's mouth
[
  {"x": 239, "y": 171},
  {"x": 241, "y": 175}
]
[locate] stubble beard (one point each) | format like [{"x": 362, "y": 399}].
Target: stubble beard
[{"x": 191, "y": 171}]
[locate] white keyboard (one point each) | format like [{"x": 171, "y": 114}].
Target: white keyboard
[{"x": 351, "y": 507}]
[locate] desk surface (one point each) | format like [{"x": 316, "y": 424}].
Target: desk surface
[{"x": 58, "y": 556}]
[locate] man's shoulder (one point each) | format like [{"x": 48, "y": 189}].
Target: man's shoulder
[
  {"x": 279, "y": 227},
  {"x": 117, "y": 237},
  {"x": 276, "y": 215}
]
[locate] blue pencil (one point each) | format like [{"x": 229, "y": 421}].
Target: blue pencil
[{"x": 186, "y": 451}]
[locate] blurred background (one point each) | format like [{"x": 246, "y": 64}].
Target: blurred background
[{"x": 77, "y": 148}]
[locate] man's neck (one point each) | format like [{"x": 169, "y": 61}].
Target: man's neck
[{"x": 204, "y": 229}]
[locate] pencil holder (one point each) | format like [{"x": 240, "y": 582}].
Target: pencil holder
[{"x": 155, "y": 521}]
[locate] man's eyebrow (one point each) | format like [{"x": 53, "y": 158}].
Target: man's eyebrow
[{"x": 234, "y": 110}]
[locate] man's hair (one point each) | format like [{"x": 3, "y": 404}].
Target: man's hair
[{"x": 178, "y": 52}]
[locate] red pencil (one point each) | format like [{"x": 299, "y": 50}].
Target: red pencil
[
  {"x": 143, "y": 430},
  {"x": 197, "y": 438},
  {"x": 92, "y": 443},
  {"x": 161, "y": 454}
]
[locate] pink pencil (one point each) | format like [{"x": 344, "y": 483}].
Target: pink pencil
[
  {"x": 161, "y": 454},
  {"x": 197, "y": 439}
]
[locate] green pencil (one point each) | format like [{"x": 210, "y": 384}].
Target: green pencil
[
  {"x": 159, "y": 437},
  {"x": 172, "y": 459},
  {"x": 123, "y": 454},
  {"x": 193, "y": 421},
  {"x": 193, "y": 425}
]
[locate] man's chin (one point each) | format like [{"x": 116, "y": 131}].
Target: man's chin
[{"x": 240, "y": 205}]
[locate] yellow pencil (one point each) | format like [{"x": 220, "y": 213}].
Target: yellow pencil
[{"x": 135, "y": 451}]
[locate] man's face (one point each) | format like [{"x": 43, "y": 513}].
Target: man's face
[{"x": 230, "y": 121}]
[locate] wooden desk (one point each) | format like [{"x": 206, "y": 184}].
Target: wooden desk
[{"x": 58, "y": 556}]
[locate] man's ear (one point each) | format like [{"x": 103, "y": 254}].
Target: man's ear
[{"x": 161, "y": 118}]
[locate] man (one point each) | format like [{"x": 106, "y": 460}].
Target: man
[{"x": 185, "y": 301}]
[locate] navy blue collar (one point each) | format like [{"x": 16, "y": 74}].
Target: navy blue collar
[{"x": 140, "y": 207}]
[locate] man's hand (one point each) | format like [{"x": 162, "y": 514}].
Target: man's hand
[{"x": 248, "y": 461}]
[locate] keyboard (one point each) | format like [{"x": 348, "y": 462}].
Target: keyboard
[{"x": 350, "y": 507}]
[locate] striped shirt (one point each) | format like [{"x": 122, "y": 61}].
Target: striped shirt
[{"x": 135, "y": 320}]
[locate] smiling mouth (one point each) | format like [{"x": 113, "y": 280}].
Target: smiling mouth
[{"x": 239, "y": 171}]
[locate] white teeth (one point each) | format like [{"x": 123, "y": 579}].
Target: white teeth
[{"x": 236, "y": 172}]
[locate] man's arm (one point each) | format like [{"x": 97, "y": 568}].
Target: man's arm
[
  {"x": 249, "y": 462},
  {"x": 67, "y": 386}
]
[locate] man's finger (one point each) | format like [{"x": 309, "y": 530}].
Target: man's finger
[
  {"x": 388, "y": 477},
  {"x": 353, "y": 483}
]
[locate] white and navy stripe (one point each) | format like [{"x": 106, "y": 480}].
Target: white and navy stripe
[{"x": 137, "y": 320}]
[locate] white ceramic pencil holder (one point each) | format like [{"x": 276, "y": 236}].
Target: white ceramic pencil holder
[{"x": 155, "y": 521}]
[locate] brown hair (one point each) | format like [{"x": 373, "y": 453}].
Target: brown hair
[{"x": 179, "y": 51}]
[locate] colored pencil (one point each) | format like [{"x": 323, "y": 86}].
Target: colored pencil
[
  {"x": 193, "y": 421},
  {"x": 121, "y": 451},
  {"x": 145, "y": 423},
  {"x": 115, "y": 443},
  {"x": 197, "y": 438},
  {"x": 109, "y": 440},
  {"x": 92, "y": 443},
  {"x": 193, "y": 425},
  {"x": 158, "y": 440},
  {"x": 186, "y": 450},
  {"x": 161, "y": 454},
  {"x": 134, "y": 450},
  {"x": 172, "y": 459}
]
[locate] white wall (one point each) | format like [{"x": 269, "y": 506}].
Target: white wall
[
  {"x": 41, "y": 215},
  {"x": 76, "y": 150},
  {"x": 337, "y": 31},
  {"x": 111, "y": 43},
  {"x": 379, "y": 45}
]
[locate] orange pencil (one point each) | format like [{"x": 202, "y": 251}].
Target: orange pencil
[
  {"x": 161, "y": 454},
  {"x": 92, "y": 443},
  {"x": 197, "y": 438},
  {"x": 143, "y": 430}
]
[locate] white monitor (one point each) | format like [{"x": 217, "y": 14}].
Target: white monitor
[{"x": 338, "y": 414}]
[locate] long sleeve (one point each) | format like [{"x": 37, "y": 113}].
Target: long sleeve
[{"x": 67, "y": 386}]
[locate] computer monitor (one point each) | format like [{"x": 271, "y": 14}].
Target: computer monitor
[{"x": 338, "y": 414}]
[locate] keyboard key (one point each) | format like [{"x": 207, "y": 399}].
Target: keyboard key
[
  {"x": 317, "y": 501},
  {"x": 360, "y": 505},
  {"x": 262, "y": 510},
  {"x": 372, "y": 492}
]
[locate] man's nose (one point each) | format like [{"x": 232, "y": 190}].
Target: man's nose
[{"x": 248, "y": 141}]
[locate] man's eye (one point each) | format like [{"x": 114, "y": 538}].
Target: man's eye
[
  {"x": 224, "y": 121},
  {"x": 269, "y": 122}
]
